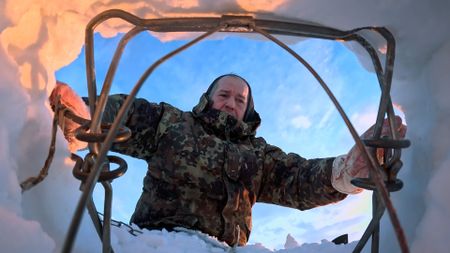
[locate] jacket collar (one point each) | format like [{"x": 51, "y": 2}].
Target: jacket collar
[{"x": 222, "y": 124}]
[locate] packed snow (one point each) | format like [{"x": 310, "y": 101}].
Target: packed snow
[{"x": 39, "y": 37}]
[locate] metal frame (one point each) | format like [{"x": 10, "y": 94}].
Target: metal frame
[{"x": 97, "y": 162}]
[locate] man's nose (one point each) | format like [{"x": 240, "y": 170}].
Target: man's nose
[{"x": 230, "y": 103}]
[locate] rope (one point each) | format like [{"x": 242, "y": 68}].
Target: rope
[{"x": 33, "y": 181}]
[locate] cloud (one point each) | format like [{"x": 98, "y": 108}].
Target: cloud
[
  {"x": 301, "y": 121},
  {"x": 364, "y": 119}
]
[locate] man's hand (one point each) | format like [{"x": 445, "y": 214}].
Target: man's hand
[
  {"x": 69, "y": 99},
  {"x": 353, "y": 165}
]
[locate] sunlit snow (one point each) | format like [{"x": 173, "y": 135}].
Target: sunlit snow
[{"x": 39, "y": 37}]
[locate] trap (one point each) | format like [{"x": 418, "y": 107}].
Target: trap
[{"x": 94, "y": 168}]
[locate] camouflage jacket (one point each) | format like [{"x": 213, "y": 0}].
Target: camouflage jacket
[{"x": 206, "y": 170}]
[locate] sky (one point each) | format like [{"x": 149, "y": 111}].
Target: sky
[
  {"x": 305, "y": 123},
  {"x": 38, "y": 39}
]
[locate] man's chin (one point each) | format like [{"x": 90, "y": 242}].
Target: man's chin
[{"x": 233, "y": 115}]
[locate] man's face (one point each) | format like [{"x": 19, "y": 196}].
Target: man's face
[{"x": 230, "y": 96}]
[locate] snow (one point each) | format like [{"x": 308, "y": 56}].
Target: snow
[
  {"x": 163, "y": 241},
  {"x": 38, "y": 37}
]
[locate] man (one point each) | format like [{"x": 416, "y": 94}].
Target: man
[{"x": 206, "y": 168}]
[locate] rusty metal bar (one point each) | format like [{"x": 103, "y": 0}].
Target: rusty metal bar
[
  {"x": 101, "y": 103},
  {"x": 374, "y": 166},
  {"x": 92, "y": 211},
  {"x": 377, "y": 213},
  {"x": 96, "y": 169},
  {"x": 376, "y": 202},
  {"x": 106, "y": 239}
]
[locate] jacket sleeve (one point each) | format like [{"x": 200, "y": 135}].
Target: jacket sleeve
[
  {"x": 293, "y": 181},
  {"x": 142, "y": 119}
]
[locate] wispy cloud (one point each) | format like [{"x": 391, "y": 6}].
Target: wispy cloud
[
  {"x": 301, "y": 121},
  {"x": 364, "y": 119}
]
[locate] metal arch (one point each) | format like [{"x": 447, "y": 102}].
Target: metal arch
[{"x": 240, "y": 24}]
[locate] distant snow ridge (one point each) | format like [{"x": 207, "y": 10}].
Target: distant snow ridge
[{"x": 290, "y": 242}]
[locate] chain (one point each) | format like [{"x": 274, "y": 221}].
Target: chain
[
  {"x": 206, "y": 238},
  {"x": 119, "y": 224}
]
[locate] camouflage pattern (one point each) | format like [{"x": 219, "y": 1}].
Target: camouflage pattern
[{"x": 206, "y": 170}]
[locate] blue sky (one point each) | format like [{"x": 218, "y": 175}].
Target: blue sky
[{"x": 296, "y": 113}]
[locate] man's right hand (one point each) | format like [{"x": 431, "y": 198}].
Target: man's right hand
[
  {"x": 354, "y": 165},
  {"x": 69, "y": 99}
]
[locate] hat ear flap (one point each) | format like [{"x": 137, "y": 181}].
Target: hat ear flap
[
  {"x": 251, "y": 116},
  {"x": 203, "y": 104},
  {"x": 250, "y": 113}
]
